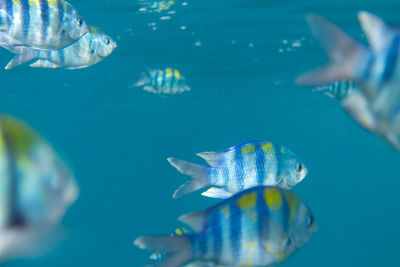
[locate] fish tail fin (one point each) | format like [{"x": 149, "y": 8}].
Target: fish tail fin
[
  {"x": 24, "y": 54},
  {"x": 199, "y": 174},
  {"x": 346, "y": 54},
  {"x": 177, "y": 250},
  {"x": 144, "y": 77}
]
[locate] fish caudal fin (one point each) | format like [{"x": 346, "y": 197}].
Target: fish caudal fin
[
  {"x": 177, "y": 249},
  {"x": 143, "y": 80},
  {"x": 199, "y": 174},
  {"x": 345, "y": 53}
]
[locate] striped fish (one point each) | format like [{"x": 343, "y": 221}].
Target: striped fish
[
  {"x": 90, "y": 49},
  {"x": 240, "y": 167},
  {"x": 376, "y": 71},
  {"x": 261, "y": 226},
  {"x": 338, "y": 89},
  {"x": 36, "y": 188},
  {"x": 41, "y": 24},
  {"x": 168, "y": 82},
  {"x": 156, "y": 6}
]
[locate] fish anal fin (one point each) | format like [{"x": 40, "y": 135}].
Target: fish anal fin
[
  {"x": 44, "y": 63},
  {"x": 215, "y": 192}
]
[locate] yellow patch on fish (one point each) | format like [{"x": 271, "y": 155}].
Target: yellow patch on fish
[
  {"x": 226, "y": 211},
  {"x": 273, "y": 198},
  {"x": 177, "y": 74},
  {"x": 168, "y": 72},
  {"x": 248, "y": 149},
  {"x": 51, "y": 2},
  {"x": 33, "y": 2},
  {"x": 281, "y": 256},
  {"x": 20, "y": 136},
  {"x": 293, "y": 202},
  {"x": 16, "y": 2},
  {"x": 248, "y": 204},
  {"x": 268, "y": 148}
]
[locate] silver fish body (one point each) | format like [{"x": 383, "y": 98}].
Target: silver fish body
[
  {"x": 90, "y": 49},
  {"x": 41, "y": 24}
]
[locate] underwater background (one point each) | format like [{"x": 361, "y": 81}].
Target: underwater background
[{"x": 240, "y": 59}]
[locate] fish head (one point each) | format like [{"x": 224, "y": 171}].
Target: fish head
[
  {"x": 302, "y": 224},
  {"x": 293, "y": 169},
  {"x": 73, "y": 25},
  {"x": 104, "y": 45}
]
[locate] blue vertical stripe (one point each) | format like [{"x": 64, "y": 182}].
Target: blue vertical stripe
[
  {"x": 60, "y": 8},
  {"x": 260, "y": 164},
  {"x": 262, "y": 220},
  {"x": 285, "y": 211},
  {"x": 235, "y": 230},
  {"x": 239, "y": 172},
  {"x": 25, "y": 18},
  {"x": 278, "y": 158},
  {"x": 61, "y": 55},
  {"x": 44, "y": 12},
  {"x": 10, "y": 12},
  {"x": 391, "y": 60},
  {"x": 202, "y": 243},
  {"x": 216, "y": 233}
]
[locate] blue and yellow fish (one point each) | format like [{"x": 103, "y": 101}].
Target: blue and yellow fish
[
  {"x": 90, "y": 49},
  {"x": 36, "y": 188},
  {"x": 42, "y": 24},
  {"x": 338, "y": 89},
  {"x": 261, "y": 226},
  {"x": 374, "y": 70},
  {"x": 241, "y": 167},
  {"x": 168, "y": 82}
]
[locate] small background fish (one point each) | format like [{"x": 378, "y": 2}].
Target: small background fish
[{"x": 167, "y": 82}]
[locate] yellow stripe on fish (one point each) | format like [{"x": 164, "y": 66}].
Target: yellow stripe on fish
[{"x": 273, "y": 198}]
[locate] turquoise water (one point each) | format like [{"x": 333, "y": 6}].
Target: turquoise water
[{"x": 240, "y": 59}]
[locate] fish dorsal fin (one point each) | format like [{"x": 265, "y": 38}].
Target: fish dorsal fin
[
  {"x": 216, "y": 192},
  {"x": 196, "y": 220},
  {"x": 376, "y": 30},
  {"x": 212, "y": 158},
  {"x": 44, "y": 63}
]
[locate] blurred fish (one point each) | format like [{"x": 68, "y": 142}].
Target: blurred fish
[
  {"x": 168, "y": 82},
  {"x": 36, "y": 188},
  {"x": 338, "y": 89},
  {"x": 376, "y": 72},
  {"x": 156, "y": 256},
  {"x": 261, "y": 226},
  {"x": 156, "y": 6},
  {"x": 90, "y": 49},
  {"x": 41, "y": 24},
  {"x": 240, "y": 167}
]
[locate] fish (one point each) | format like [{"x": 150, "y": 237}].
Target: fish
[
  {"x": 157, "y": 6},
  {"x": 375, "y": 71},
  {"x": 260, "y": 226},
  {"x": 90, "y": 49},
  {"x": 338, "y": 89},
  {"x": 41, "y": 24},
  {"x": 167, "y": 82},
  {"x": 240, "y": 167},
  {"x": 177, "y": 232},
  {"x": 36, "y": 188}
]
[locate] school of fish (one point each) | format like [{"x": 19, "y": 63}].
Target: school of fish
[{"x": 259, "y": 221}]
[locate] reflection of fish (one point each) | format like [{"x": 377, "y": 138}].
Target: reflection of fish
[
  {"x": 36, "y": 187},
  {"x": 261, "y": 226},
  {"x": 43, "y": 24},
  {"x": 375, "y": 72},
  {"x": 90, "y": 49},
  {"x": 157, "y": 6},
  {"x": 241, "y": 167},
  {"x": 338, "y": 89},
  {"x": 168, "y": 82}
]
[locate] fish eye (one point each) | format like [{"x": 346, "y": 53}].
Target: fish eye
[
  {"x": 92, "y": 51},
  {"x": 310, "y": 221},
  {"x": 107, "y": 41},
  {"x": 299, "y": 167},
  {"x": 80, "y": 22}
]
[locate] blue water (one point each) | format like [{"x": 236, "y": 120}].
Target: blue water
[{"x": 240, "y": 62}]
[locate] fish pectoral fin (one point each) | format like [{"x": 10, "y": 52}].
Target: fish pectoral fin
[
  {"x": 20, "y": 59},
  {"x": 44, "y": 63},
  {"x": 216, "y": 192},
  {"x": 274, "y": 237}
]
